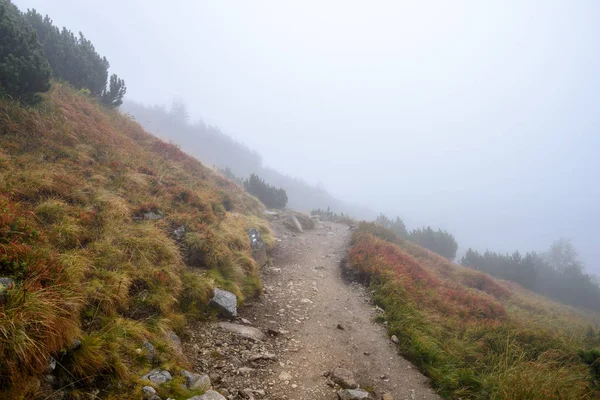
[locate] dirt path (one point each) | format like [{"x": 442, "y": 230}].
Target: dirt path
[{"x": 305, "y": 300}]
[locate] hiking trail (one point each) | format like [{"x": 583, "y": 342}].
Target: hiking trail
[{"x": 314, "y": 321}]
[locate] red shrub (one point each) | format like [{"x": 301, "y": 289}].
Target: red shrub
[
  {"x": 168, "y": 150},
  {"x": 485, "y": 283},
  {"x": 374, "y": 256}
]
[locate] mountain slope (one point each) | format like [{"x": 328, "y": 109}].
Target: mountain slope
[
  {"x": 90, "y": 204},
  {"x": 214, "y": 147},
  {"x": 475, "y": 336}
]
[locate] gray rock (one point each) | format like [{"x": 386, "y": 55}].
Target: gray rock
[
  {"x": 285, "y": 376},
  {"x": 150, "y": 351},
  {"x": 196, "y": 381},
  {"x": 245, "y": 371},
  {"x": 225, "y": 301},
  {"x": 209, "y": 395},
  {"x": 148, "y": 390},
  {"x": 214, "y": 377},
  {"x": 262, "y": 356},
  {"x": 293, "y": 223},
  {"x": 259, "y": 250},
  {"x": 236, "y": 362},
  {"x": 6, "y": 283},
  {"x": 247, "y": 394},
  {"x": 353, "y": 394},
  {"x": 244, "y": 331},
  {"x": 149, "y": 393},
  {"x": 151, "y": 215},
  {"x": 344, "y": 378},
  {"x": 158, "y": 376},
  {"x": 179, "y": 233},
  {"x": 394, "y": 339},
  {"x": 175, "y": 342}
]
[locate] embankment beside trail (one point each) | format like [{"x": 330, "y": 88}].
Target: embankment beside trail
[
  {"x": 475, "y": 336},
  {"x": 109, "y": 240}
]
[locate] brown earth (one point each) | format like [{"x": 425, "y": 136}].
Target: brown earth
[{"x": 315, "y": 321}]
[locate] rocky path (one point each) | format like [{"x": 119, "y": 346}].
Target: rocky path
[{"x": 314, "y": 322}]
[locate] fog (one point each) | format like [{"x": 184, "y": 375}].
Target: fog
[{"x": 476, "y": 117}]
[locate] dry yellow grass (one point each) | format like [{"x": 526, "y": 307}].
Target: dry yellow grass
[{"x": 74, "y": 178}]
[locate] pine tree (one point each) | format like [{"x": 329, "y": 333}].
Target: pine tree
[
  {"x": 114, "y": 96},
  {"x": 74, "y": 59},
  {"x": 24, "y": 70}
]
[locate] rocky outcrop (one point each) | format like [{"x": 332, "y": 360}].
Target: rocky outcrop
[
  {"x": 225, "y": 301},
  {"x": 243, "y": 331}
]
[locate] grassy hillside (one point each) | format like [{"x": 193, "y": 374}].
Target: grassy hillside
[
  {"x": 477, "y": 337},
  {"x": 93, "y": 279}
]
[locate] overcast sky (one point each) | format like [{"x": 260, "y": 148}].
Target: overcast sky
[{"x": 478, "y": 117}]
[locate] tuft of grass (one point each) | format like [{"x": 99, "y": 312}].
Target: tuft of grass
[
  {"x": 475, "y": 336},
  {"x": 92, "y": 281}
]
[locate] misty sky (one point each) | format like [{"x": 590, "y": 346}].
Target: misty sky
[{"x": 478, "y": 117}]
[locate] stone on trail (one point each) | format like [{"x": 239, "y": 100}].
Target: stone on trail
[
  {"x": 262, "y": 356},
  {"x": 209, "y": 395},
  {"x": 344, "y": 378},
  {"x": 293, "y": 223},
  {"x": 245, "y": 371},
  {"x": 285, "y": 376},
  {"x": 387, "y": 396},
  {"x": 394, "y": 339},
  {"x": 353, "y": 394},
  {"x": 225, "y": 301},
  {"x": 196, "y": 381},
  {"x": 247, "y": 332}
]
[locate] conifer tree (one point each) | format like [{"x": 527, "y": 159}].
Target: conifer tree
[{"x": 24, "y": 70}]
